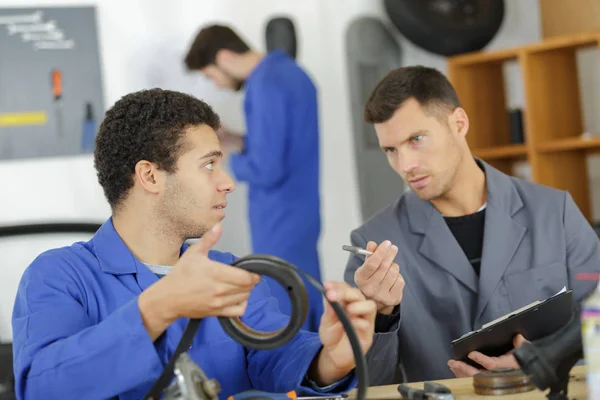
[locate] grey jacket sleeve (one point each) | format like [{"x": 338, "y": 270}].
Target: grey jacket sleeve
[
  {"x": 583, "y": 249},
  {"x": 382, "y": 357}
]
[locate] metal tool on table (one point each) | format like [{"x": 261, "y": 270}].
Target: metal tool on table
[
  {"x": 191, "y": 383},
  {"x": 431, "y": 390},
  {"x": 57, "y": 92}
]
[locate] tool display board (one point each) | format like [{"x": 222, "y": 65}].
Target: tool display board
[{"x": 50, "y": 81}]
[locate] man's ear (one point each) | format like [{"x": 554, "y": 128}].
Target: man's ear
[
  {"x": 149, "y": 177},
  {"x": 460, "y": 121},
  {"x": 224, "y": 57}
]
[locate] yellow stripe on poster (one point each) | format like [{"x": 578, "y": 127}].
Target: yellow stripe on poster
[{"x": 23, "y": 118}]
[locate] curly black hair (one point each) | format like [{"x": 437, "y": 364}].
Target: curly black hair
[{"x": 145, "y": 125}]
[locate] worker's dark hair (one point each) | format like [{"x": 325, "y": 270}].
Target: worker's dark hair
[
  {"x": 146, "y": 125},
  {"x": 208, "y": 42},
  {"x": 426, "y": 85}
]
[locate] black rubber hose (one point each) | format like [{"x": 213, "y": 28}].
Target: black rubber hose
[
  {"x": 287, "y": 275},
  {"x": 361, "y": 362}
]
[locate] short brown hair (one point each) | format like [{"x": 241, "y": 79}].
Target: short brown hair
[
  {"x": 426, "y": 85},
  {"x": 207, "y": 44}
]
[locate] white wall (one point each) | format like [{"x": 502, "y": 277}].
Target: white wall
[{"x": 142, "y": 43}]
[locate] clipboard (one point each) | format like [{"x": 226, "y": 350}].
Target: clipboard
[{"x": 534, "y": 321}]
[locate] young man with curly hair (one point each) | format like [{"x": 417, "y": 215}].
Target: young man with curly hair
[{"x": 100, "y": 319}]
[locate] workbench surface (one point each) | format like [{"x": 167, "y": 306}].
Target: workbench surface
[{"x": 462, "y": 389}]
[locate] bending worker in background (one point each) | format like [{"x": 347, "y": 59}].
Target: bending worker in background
[
  {"x": 100, "y": 319},
  {"x": 279, "y": 155},
  {"x": 470, "y": 242}
]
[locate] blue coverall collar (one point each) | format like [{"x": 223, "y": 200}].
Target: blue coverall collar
[
  {"x": 112, "y": 252},
  {"x": 274, "y": 54}
]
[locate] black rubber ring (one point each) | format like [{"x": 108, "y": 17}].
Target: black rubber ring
[{"x": 285, "y": 274}]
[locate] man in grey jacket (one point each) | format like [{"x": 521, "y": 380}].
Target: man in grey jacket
[{"x": 465, "y": 246}]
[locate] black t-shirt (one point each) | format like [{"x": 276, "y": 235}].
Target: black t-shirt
[{"x": 468, "y": 231}]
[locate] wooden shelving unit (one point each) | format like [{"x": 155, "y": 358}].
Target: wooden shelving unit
[
  {"x": 552, "y": 116},
  {"x": 591, "y": 145},
  {"x": 501, "y": 152}
]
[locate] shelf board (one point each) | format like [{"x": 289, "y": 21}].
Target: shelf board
[
  {"x": 574, "y": 143},
  {"x": 480, "y": 57},
  {"x": 565, "y": 42},
  {"x": 501, "y": 152}
]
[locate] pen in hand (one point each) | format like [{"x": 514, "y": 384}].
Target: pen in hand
[{"x": 356, "y": 250}]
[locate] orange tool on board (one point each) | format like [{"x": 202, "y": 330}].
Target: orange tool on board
[{"x": 57, "y": 92}]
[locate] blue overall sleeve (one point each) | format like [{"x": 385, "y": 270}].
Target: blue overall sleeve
[
  {"x": 61, "y": 354},
  {"x": 285, "y": 368},
  {"x": 262, "y": 162}
]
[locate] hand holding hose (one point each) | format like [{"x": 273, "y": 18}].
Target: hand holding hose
[
  {"x": 197, "y": 287},
  {"x": 336, "y": 359},
  {"x": 346, "y": 331}
]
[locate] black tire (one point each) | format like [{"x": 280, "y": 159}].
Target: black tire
[{"x": 449, "y": 31}]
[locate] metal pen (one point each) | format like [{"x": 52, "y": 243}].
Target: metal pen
[{"x": 356, "y": 250}]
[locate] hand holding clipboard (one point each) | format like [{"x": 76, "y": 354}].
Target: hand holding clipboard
[{"x": 534, "y": 321}]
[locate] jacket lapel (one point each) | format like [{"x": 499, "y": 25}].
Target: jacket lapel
[
  {"x": 438, "y": 244},
  {"x": 502, "y": 235}
]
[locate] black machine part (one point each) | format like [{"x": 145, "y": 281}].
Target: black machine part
[
  {"x": 43, "y": 228},
  {"x": 431, "y": 390},
  {"x": 287, "y": 275},
  {"x": 548, "y": 361},
  {"x": 447, "y": 27},
  {"x": 7, "y": 379},
  {"x": 280, "y": 34}
]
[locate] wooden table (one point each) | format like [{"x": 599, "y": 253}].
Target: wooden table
[{"x": 462, "y": 389}]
